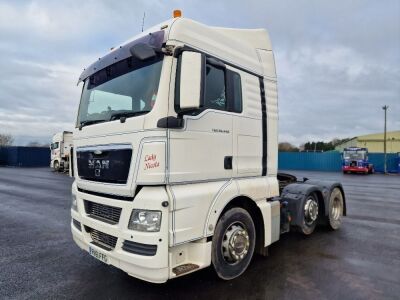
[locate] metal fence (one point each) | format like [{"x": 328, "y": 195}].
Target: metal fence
[
  {"x": 331, "y": 161},
  {"x": 313, "y": 161},
  {"x": 25, "y": 156}
]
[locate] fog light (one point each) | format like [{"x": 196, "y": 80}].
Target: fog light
[{"x": 145, "y": 220}]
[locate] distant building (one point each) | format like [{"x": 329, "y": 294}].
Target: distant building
[{"x": 374, "y": 142}]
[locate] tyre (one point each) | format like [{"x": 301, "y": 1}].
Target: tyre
[
  {"x": 310, "y": 218},
  {"x": 336, "y": 206},
  {"x": 233, "y": 243},
  {"x": 56, "y": 166}
]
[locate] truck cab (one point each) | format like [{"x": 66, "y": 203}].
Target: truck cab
[
  {"x": 355, "y": 160},
  {"x": 175, "y": 155},
  {"x": 60, "y": 148}
]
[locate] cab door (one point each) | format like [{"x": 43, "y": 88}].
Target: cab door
[{"x": 202, "y": 149}]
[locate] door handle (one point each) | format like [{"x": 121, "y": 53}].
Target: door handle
[{"x": 228, "y": 162}]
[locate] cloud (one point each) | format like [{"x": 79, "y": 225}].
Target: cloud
[{"x": 337, "y": 62}]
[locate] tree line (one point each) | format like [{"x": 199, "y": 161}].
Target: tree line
[
  {"x": 318, "y": 146},
  {"x": 8, "y": 140}
]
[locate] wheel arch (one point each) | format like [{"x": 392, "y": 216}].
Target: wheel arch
[
  {"x": 56, "y": 161},
  {"x": 296, "y": 194},
  {"x": 251, "y": 207},
  {"x": 321, "y": 201},
  {"x": 327, "y": 187}
]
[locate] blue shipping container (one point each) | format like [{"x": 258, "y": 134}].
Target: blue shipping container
[{"x": 25, "y": 156}]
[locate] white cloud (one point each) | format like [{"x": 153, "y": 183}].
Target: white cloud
[{"x": 337, "y": 62}]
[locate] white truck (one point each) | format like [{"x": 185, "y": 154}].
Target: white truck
[
  {"x": 175, "y": 155},
  {"x": 60, "y": 148}
]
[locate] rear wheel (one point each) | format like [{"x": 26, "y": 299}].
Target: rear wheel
[
  {"x": 233, "y": 243},
  {"x": 310, "y": 215},
  {"x": 336, "y": 206}
]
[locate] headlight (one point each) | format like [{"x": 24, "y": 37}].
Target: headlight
[
  {"x": 74, "y": 203},
  {"x": 145, "y": 220}
]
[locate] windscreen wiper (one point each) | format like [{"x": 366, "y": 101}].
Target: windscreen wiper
[
  {"x": 127, "y": 114},
  {"x": 89, "y": 122}
]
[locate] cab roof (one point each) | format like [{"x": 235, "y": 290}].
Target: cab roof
[{"x": 237, "y": 46}]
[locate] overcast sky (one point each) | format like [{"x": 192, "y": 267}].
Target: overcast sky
[{"x": 338, "y": 62}]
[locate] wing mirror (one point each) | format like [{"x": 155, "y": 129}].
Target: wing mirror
[{"x": 190, "y": 80}]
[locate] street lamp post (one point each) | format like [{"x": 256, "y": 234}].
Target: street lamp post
[{"x": 385, "y": 108}]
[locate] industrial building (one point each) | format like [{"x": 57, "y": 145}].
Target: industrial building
[{"x": 374, "y": 142}]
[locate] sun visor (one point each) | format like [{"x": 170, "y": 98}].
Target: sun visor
[{"x": 154, "y": 39}]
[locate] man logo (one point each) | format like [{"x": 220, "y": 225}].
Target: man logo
[
  {"x": 98, "y": 165},
  {"x": 91, "y": 163}
]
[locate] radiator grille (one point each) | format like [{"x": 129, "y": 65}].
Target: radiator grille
[
  {"x": 102, "y": 239},
  {"x": 106, "y": 213}
]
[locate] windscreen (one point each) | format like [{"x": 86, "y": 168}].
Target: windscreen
[
  {"x": 54, "y": 145},
  {"x": 125, "y": 89},
  {"x": 354, "y": 154}
]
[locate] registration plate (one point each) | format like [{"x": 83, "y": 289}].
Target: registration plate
[{"x": 97, "y": 254}]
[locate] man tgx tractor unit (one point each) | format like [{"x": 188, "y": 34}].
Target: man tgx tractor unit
[
  {"x": 175, "y": 155},
  {"x": 355, "y": 160},
  {"x": 60, "y": 149}
]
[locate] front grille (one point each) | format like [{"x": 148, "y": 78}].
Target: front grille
[
  {"x": 109, "y": 196},
  {"x": 106, "y": 213},
  {"x": 102, "y": 239},
  {"x": 141, "y": 249},
  {"x": 109, "y": 163}
]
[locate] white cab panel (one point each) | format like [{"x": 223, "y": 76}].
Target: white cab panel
[
  {"x": 152, "y": 163},
  {"x": 191, "y": 204},
  {"x": 247, "y": 129},
  {"x": 197, "y": 152}
]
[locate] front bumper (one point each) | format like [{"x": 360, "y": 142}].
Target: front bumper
[
  {"x": 152, "y": 268},
  {"x": 129, "y": 263},
  {"x": 355, "y": 169}
]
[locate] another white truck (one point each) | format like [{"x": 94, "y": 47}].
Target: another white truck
[
  {"x": 175, "y": 155},
  {"x": 60, "y": 148}
]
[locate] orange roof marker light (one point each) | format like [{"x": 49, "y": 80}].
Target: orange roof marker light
[{"x": 177, "y": 13}]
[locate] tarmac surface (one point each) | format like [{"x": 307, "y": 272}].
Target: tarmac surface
[{"x": 39, "y": 260}]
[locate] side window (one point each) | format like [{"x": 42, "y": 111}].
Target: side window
[
  {"x": 222, "y": 89},
  {"x": 215, "y": 95}
]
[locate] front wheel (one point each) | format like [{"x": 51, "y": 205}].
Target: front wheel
[
  {"x": 336, "y": 207},
  {"x": 56, "y": 166},
  {"x": 233, "y": 243}
]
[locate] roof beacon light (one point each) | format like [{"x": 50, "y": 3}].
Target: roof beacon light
[{"x": 177, "y": 13}]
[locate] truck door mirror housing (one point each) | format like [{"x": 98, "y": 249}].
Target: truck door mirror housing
[{"x": 190, "y": 80}]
